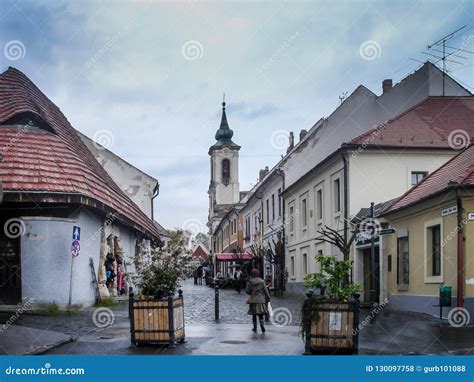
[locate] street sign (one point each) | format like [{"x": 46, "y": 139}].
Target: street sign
[
  {"x": 386, "y": 231},
  {"x": 470, "y": 216},
  {"x": 75, "y": 248},
  {"x": 76, "y": 233}
]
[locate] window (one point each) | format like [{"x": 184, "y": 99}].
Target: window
[
  {"x": 279, "y": 202},
  {"x": 416, "y": 176},
  {"x": 319, "y": 204},
  {"x": 273, "y": 207},
  {"x": 247, "y": 226},
  {"x": 320, "y": 252},
  {"x": 305, "y": 264},
  {"x": 292, "y": 266},
  {"x": 435, "y": 252},
  {"x": 389, "y": 263},
  {"x": 337, "y": 195},
  {"x": 292, "y": 221},
  {"x": 268, "y": 211},
  {"x": 304, "y": 215},
  {"x": 226, "y": 171},
  {"x": 403, "y": 262}
]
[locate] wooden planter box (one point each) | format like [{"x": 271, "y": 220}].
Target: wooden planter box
[
  {"x": 335, "y": 328},
  {"x": 157, "y": 321}
]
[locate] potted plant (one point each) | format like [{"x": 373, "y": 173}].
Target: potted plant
[
  {"x": 330, "y": 318},
  {"x": 157, "y": 311}
]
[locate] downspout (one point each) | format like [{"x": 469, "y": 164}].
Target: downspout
[
  {"x": 460, "y": 254},
  {"x": 156, "y": 192},
  {"x": 346, "y": 198}
]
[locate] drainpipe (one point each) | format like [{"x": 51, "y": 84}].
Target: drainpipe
[
  {"x": 156, "y": 192},
  {"x": 346, "y": 199},
  {"x": 460, "y": 257}
]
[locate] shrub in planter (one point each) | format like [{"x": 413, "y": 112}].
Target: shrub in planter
[
  {"x": 157, "y": 312},
  {"x": 329, "y": 318}
]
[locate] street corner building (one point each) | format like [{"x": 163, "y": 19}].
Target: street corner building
[
  {"x": 433, "y": 246},
  {"x": 69, "y": 233}
]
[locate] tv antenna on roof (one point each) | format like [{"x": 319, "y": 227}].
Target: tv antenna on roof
[{"x": 441, "y": 43}]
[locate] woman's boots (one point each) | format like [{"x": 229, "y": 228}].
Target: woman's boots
[{"x": 262, "y": 324}]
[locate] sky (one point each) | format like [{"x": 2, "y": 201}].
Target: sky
[{"x": 146, "y": 78}]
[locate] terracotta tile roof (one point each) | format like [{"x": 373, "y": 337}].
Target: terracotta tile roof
[
  {"x": 459, "y": 169},
  {"x": 57, "y": 161},
  {"x": 427, "y": 124}
]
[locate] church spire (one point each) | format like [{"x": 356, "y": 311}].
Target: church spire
[{"x": 224, "y": 134}]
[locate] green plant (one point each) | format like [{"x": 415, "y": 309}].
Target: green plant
[
  {"x": 330, "y": 278},
  {"x": 52, "y": 308},
  {"x": 159, "y": 274},
  {"x": 107, "y": 303}
]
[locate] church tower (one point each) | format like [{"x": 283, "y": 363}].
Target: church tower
[{"x": 224, "y": 186}]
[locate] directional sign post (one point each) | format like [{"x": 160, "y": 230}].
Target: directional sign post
[{"x": 75, "y": 250}]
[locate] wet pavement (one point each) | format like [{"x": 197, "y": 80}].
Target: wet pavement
[{"x": 389, "y": 333}]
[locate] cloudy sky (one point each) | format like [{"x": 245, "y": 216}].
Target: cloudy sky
[{"x": 147, "y": 77}]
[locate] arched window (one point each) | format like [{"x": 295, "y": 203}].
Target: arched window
[{"x": 226, "y": 171}]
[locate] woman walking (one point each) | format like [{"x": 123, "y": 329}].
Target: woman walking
[{"x": 258, "y": 299}]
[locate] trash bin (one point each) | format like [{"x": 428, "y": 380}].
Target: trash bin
[{"x": 445, "y": 292}]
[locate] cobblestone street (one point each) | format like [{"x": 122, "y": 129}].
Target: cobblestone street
[{"x": 199, "y": 306}]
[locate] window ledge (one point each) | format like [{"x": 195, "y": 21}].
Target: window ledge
[
  {"x": 402, "y": 288},
  {"x": 434, "y": 280}
]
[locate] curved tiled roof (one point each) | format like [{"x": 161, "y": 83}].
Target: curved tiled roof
[
  {"x": 458, "y": 170},
  {"x": 54, "y": 162},
  {"x": 427, "y": 124}
]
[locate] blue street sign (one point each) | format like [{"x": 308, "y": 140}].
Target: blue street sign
[
  {"x": 76, "y": 233},
  {"x": 75, "y": 248}
]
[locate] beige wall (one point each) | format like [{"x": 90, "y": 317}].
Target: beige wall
[
  {"x": 301, "y": 242},
  {"x": 415, "y": 222},
  {"x": 379, "y": 176}
]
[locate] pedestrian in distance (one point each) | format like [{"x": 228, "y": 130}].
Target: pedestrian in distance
[
  {"x": 237, "y": 280},
  {"x": 257, "y": 300}
]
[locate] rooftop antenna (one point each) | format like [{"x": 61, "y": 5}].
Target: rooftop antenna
[
  {"x": 343, "y": 97},
  {"x": 442, "y": 43}
]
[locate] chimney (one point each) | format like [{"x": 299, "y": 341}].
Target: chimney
[
  {"x": 303, "y": 134},
  {"x": 292, "y": 142},
  {"x": 386, "y": 85},
  {"x": 263, "y": 173}
]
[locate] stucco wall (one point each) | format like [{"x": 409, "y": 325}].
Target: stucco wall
[
  {"x": 46, "y": 260},
  {"x": 422, "y": 293},
  {"x": 135, "y": 183},
  {"x": 379, "y": 176}
]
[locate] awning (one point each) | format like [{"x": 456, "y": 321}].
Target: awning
[{"x": 233, "y": 256}]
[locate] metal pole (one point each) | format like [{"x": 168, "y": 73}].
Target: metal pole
[
  {"x": 372, "y": 258},
  {"x": 70, "y": 283},
  {"x": 216, "y": 302}
]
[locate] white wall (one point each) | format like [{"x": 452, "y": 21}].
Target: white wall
[{"x": 135, "y": 183}]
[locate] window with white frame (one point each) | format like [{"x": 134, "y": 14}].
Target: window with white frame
[
  {"x": 403, "y": 263},
  {"x": 337, "y": 195},
  {"x": 292, "y": 266},
  {"x": 273, "y": 207},
  {"x": 433, "y": 251},
  {"x": 319, "y": 204},
  {"x": 292, "y": 219},
  {"x": 305, "y": 263},
  {"x": 417, "y": 176},
  {"x": 279, "y": 202},
  {"x": 304, "y": 213}
]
